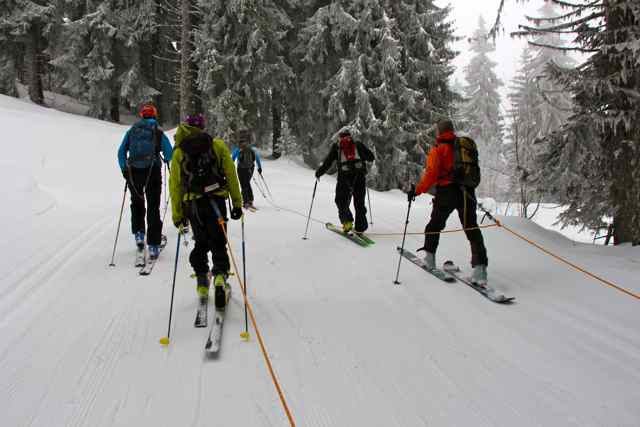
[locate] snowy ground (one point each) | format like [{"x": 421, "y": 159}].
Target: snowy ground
[{"x": 80, "y": 340}]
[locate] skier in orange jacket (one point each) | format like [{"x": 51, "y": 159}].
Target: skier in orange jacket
[{"x": 449, "y": 196}]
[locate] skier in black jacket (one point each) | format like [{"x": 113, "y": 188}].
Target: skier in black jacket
[{"x": 350, "y": 156}]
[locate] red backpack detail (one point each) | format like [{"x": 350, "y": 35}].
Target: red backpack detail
[{"x": 348, "y": 148}]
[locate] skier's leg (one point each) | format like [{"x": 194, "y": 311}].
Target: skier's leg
[
  {"x": 249, "y": 188},
  {"x": 217, "y": 241},
  {"x": 359, "y": 194},
  {"x": 199, "y": 255},
  {"x": 443, "y": 205},
  {"x": 245, "y": 184},
  {"x": 469, "y": 219},
  {"x": 137, "y": 178},
  {"x": 154, "y": 220},
  {"x": 343, "y": 199}
]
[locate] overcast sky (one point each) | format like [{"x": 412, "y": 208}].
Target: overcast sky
[{"x": 465, "y": 14}]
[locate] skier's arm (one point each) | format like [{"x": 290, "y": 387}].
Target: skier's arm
[
  {"x": 365, "y": 153},
  {"x": 122, "y": 151},
  {"x": 229, "y": 168},
  {"x": 175, "y": 187},
  {"x": 167, "y": 150},
  {"x": 328, "y": 161},
  {"x": 430, "y": 175},
  {"x": 258, "y": 159}
]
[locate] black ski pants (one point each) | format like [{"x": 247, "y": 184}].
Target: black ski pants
[
  {"x": 447, "y": 199},
  {"x": 244, "y": 175},
  {"x": 146, "y": 184},
  {"x": 352, "y": 185},
  {"x": 208, "y": 235}
]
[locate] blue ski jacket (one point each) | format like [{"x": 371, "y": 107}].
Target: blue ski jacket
[
  {"x": 167, "y": 150},
  {"x": 236, "y": 153}
]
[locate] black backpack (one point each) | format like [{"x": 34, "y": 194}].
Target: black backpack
[
  {"x": 466, "y": 168},
  {"x": 200, "y": 168},
  {"x": 246, "y": 158}
]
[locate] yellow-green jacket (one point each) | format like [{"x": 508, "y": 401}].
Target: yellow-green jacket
[{"x": 225, "y": 164}]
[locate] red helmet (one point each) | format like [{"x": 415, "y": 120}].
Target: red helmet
[{"x": 148, "y": 111}]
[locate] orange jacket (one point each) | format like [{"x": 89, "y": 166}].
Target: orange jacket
[{"x": 439, "y": 165}]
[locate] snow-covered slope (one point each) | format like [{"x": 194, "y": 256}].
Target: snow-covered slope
[{"x": 80, "y": 340}]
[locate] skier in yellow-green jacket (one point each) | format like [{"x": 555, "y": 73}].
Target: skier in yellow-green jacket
[{"x": 202, "y": 177}]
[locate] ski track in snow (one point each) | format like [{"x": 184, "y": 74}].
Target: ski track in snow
[{"x": 80, "y": 339}]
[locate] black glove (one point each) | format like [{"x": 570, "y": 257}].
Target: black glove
[
  {"x": 411, "y": 194},
  {"x": 260, "y": 171},
  {"x": 236, "y": 213},
  {"x": 125, "y": 174},
  {"x": 318, "y": 174},
  {"x": 182, "y": 223}
]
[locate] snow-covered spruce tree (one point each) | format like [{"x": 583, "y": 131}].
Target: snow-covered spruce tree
[
  {"x": 482, "y": 112},
  {"x": 539, "y": 106},
  {"x": 524, "y": 127},
  {"x": 23, "y": 24},
  {"x": 241, "y": 62},
  {"x": 380, "y": 68},
  {"x": 591, "y": 163},
  {"x": 136, "y": 22},
  {"x": 109, "y": 55},
  {"x": 8, "y": 72}
]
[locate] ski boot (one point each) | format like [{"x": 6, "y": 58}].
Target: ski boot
[
  {"x": 429, "y": 260},
  {"x": 220, "y": 294},
  {"x": 347, "y": 226},
  {"x": 139, "y": 236},
  {"x": 479, "y": 276},
  {"x": 154, "y": 251},
  {"x": 202, "y": 287}
]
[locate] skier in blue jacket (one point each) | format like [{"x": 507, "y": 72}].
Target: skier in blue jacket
[
  {"x": 247, "y": 158},
  {"x": 140, "y": 162}
]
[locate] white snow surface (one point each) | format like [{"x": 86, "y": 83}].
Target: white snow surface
[{"x": 80, "y": 339}]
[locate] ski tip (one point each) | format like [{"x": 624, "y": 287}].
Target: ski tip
[{"x": 164, "y": 341}]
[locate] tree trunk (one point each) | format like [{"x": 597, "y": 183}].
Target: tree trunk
[
  {"x": 625, "y": 140},
  {"x": 276, "y": 124},
  {"x": 32, "y": 64}
]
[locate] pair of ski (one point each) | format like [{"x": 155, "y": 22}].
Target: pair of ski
[
  {"x": 214, "y": 339},
  {"x": 145, "y": 263},
  {"x": 360, "y": 239},
  {"x": 451, "y": 273}
]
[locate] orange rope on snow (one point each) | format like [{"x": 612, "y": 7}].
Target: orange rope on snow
[
  {"x": 456, "y": 230},
  {"x": 559, "y": 258},
  {"x": 255, "y": 327}
]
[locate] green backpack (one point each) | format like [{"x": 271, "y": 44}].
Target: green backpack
[{"x": 466, "y": 168}]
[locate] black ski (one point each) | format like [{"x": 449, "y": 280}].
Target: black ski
[
  {"x": 202, "y": 313},
  {"x": 486, "y": 291},
  {"x": 214, "y": 340},
  {"x": 440, "y": 274},
  {"x": 354, "y": 237}
]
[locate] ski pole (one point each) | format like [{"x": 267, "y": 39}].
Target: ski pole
[
  {"x": 370, "y": 211},
  {"x": 404, "y": 236},
  {"x": 165, "y": 340},
  {"x": 265, "y": 185},
  {"x": 245, "y": 334},
  {"x": 310, "y": 208},
  {"x": 113, "y": 255},
  {"x": 257, "y": 183}
]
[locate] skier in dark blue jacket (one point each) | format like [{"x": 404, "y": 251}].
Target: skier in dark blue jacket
[
  {"x": 247, "y": 157},
  {"x": 140, "y": 162}
]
